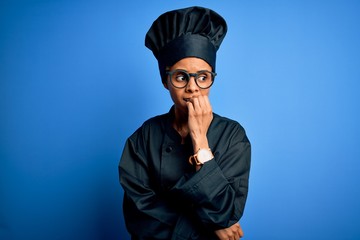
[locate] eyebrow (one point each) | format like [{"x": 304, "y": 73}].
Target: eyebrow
[{"x": 187, "y": 70}]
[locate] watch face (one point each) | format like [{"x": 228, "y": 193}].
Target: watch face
[{"x": 204, "y": 155}]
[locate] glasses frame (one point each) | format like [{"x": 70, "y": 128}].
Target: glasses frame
[{"x": 195, "y": 75}]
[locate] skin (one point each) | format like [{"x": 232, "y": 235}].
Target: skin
[{"x": 193, "y": 115}]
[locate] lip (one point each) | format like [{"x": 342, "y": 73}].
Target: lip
[{"x": 188, "y": 99}]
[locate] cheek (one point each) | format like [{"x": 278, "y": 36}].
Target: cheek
[
  {"x": 176, "y": 95},
  {"x": 205, "y": 92},
  {"x": 173, "y": 98},
  {"x": 173, "y": 94}
]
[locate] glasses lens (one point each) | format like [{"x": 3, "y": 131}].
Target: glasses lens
[
  {"x": 179, "y": 78},
  {"x": 204, "y": 79}
]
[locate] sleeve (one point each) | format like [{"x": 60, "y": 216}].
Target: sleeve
[
  {"x": 146, "y": 214},
  {"x": 218, "y": 191}
]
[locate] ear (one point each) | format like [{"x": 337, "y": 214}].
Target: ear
[
  {"x": 165, "y": 85},
  {"x": 165, "y": 78}
]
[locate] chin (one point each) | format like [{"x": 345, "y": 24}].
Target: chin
[{"x": 181, "y": 108}]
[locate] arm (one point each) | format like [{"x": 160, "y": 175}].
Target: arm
[
  {"x": 219, "y": 189},
  {"x": 146, "y": 214}
]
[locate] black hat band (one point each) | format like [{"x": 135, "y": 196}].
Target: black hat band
[{"x": 188, "y": 45}]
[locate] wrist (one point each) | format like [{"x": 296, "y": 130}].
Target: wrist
[
  {"x": 200, "y": 144},
  {"x": 202, "y": 156}
]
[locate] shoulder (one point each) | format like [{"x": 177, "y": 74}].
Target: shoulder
[
  {"x": 224, "y": 122},
  {"x": 153, "y": 125},
  {"x": 156, "y": 122},
  {"x": 226, "y": 126}
]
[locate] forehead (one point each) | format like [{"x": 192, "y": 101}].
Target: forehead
[{"x": 191, "y": 64}]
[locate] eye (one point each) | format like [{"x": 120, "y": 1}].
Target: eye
[
  {"x": 202, "y": 77},
  {"x": 180, "y": 77}
]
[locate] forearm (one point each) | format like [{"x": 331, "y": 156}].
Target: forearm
[
  {"x": 211, "y": 194},
  {"x": 219, "y": 189}
]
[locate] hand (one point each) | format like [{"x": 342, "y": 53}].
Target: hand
[
  {"x": 233, "y": 232},
  {"x": 200, "y": 116}
]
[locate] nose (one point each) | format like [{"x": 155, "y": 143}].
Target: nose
[{"x": 192, "y": 86}]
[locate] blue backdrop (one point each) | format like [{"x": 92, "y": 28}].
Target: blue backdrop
[{"x": 76, "y": 81}]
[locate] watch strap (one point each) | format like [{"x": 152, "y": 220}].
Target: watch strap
[{"x": 193, "y": 160}]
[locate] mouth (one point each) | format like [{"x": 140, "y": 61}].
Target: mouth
[{"x": 189, "y": 99}]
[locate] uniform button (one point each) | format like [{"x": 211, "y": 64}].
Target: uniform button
[{"x": 168, "y": 149}]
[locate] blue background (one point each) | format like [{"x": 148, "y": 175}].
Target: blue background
[{"x": 76, "y": 81}]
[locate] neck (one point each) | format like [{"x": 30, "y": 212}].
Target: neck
[{"x": 181, "y": 123}]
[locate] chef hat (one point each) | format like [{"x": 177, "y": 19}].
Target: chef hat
[{"x": 189, "y": 32}]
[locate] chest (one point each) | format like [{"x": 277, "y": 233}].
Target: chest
[{"x": 169, "y": 162}]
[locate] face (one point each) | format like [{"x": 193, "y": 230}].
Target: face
[{"x": 180, "y": 95}]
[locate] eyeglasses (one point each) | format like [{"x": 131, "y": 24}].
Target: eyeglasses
[{"x": 180, "y": 78}]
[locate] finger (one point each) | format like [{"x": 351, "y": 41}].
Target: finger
[
  {"x": 241, "y": 233},
  {"x": 202, "y": 103},
  {"x": 206, "y": 100},
  {"x": 236, "y": 233},
  {"x": 195, "y": 102},
  {"x": 233, "y": 237},
  {"x": 190, "y": 107},
  {"x": 205, "y": 104},
  {"x": 239, "y": 230}
]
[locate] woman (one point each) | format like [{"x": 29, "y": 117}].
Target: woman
[{"x": 185, "y": 173}]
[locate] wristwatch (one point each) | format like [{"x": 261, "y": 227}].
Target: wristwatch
[{"x": 202, "y": 156}]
